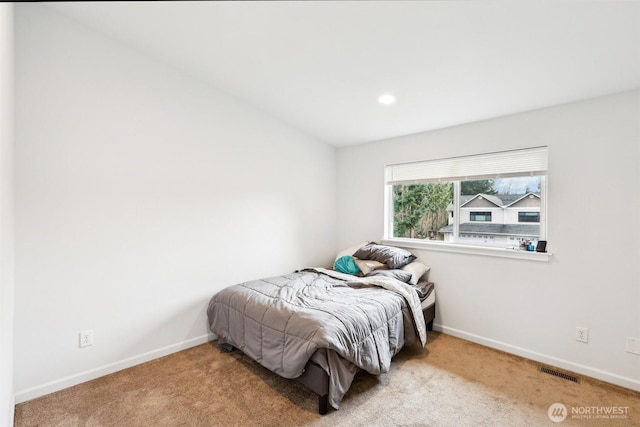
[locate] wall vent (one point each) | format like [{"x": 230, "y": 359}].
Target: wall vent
[{"x": 559, "y": 374}]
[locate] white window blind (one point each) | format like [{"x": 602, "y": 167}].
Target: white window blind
[{"x": 528, "y": 161}]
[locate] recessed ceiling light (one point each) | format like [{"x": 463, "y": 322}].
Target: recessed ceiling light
[{"x": 387, "y": 99}]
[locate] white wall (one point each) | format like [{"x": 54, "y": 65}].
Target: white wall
[
  {"x": 140, "y": 192},
  {"x": 524, "y": 307},
  {"x": 6, "y": 215}
]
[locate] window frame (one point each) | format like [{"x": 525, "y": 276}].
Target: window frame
[
  {"x": 525, "y": 214},
  {"x": 456, "y": 246},
  {"x": 487, "y": 215}
]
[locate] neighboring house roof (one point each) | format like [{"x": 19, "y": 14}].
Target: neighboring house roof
[
  {"x": 507, "y": 204},
  {"x": 525, "y": 230},
  {"x": 500, "y": 200},
  {"x": 491, "y": 198}
]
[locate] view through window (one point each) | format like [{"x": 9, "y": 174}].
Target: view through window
[{"x": 490, "y": 211}]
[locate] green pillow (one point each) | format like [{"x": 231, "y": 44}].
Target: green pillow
[{"x": 346, "y": 264}]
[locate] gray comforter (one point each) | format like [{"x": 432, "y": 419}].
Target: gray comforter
[{"x": 280, "y": 322}]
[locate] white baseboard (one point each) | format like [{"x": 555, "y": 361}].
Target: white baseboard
[
  {"x": 57, "y": 385},
  {"x": 609, "y": 377}
]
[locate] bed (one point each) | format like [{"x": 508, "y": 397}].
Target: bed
[{"x": 321, "y": 326}]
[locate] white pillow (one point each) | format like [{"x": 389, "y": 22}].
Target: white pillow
[{"x": 417, "y": 270}]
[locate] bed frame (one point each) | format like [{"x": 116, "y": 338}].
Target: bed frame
[{"x": 316, "y": 379}]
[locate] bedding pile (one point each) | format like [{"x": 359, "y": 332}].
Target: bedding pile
[{"x": 282, "y": 322}]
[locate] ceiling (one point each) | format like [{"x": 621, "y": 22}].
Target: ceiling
[{"x": 320, "y": 66}]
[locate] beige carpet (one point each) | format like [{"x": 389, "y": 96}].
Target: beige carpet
[{"x": 452, "y": 383}]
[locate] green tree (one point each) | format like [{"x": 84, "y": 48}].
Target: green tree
[
  {"x": 409, "y": 207},
  {"x": 471, "y": 188},
  {"x": 420, "y": 208}
]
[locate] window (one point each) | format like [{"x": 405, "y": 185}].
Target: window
[
  {"x": 494, "y": 199},
  {"x": 480, "y": 216},
  {"x": 528, "y": 216}
]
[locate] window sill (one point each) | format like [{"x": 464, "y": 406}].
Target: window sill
[{"x": 468, "y": 249}]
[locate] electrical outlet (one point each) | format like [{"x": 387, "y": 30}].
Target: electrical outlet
[
  {"x": 633, "y": 345},
  {"x": 86, "y": 338},
  {"x": 582, "y": 334}
]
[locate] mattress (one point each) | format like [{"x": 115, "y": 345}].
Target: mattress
[{"x": 429, "y": 300}]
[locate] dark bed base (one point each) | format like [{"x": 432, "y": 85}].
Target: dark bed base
[
  {"x": 429, "y": 314},
  {"x": 317, "y": 380}
]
